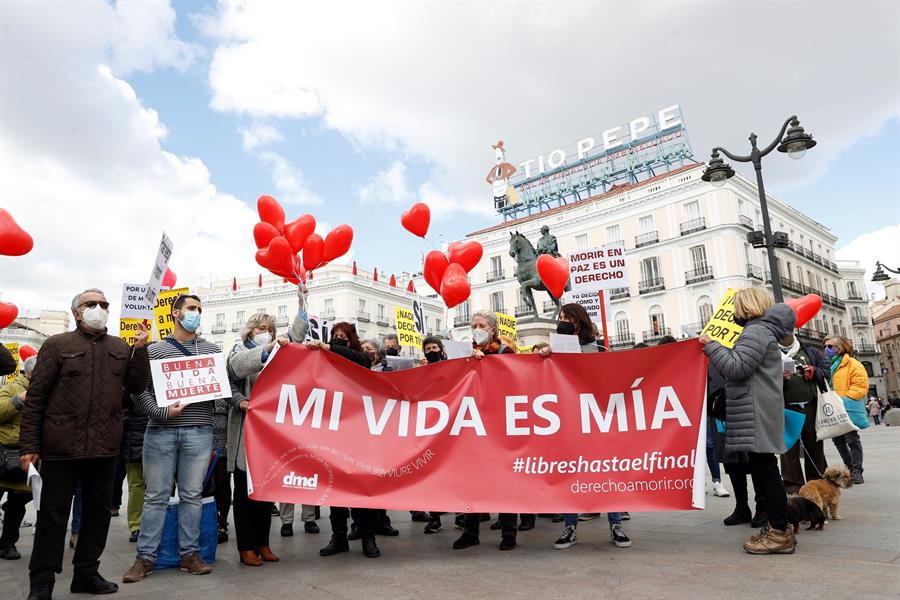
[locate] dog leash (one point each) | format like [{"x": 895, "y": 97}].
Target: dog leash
[{"x": 813, "y": 462}]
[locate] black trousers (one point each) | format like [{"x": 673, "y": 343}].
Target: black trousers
[
  {"x": 117, "y": 484},
  {"x": 60, "y": 477},
  {"x": 13, "y": 515},
  {"x": 738, "y": 472},
  {"x": 813, "y": 458},
  {"x": 367, "y": 520},
  {"x": 252, "y": 519},
  {"x": 767, "y": 481},
  {"x": 850, "y": 448},
  {"x": 382, "y": 520},
  {"x": 222, "y": 481},
  {"x": 507, "y": 524}
]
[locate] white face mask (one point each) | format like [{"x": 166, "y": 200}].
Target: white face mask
[
  {"x": 262, "y": 339},
  {"x": 95, "y": 318},
  {"x": 481, "y": 336}
]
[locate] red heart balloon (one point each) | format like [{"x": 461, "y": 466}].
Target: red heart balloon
[
  {"x": 8, "y": 314},
  {"x": 466, "y": 254},
  {"x": 805, "y": 308},
  {"x": 436, "y": 263},
  {"x": 14, "y": 241},
  {"x": 417, "y": 219},
  {"x": 263, "y": 234},
  {"x": 554, "y": 273},
  {"x": 312, "y": 252},
  {"x": 455, "y": 287},
  {"x": 169, "y": 278},
  {"x": 337, "y": 243},
  {"x": 298, "y": 230},
  {"x": 271, "y": 212},
  {"x": 26, "y": 352}
]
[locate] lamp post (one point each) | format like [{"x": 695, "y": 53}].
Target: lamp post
[
  {"x": 879, "y": 275},
  {"x": 795, "y": 143}
]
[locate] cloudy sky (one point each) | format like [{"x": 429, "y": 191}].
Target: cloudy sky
[{"x": 123, "y": 119}]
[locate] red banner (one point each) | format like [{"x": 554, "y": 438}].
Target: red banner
[{"x": 514, "y": 433}]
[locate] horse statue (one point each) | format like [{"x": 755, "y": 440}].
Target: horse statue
[{"x": 526, "y": 273}]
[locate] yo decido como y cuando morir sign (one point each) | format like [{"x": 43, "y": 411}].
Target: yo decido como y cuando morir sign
[
  {"x": 598, "y": 269},
  {"x": 190, "y": 379}
]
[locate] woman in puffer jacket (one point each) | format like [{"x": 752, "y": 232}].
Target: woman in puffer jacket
[
  {"x": 850, "y": 381},
  {"x": 754, "y": 405}
]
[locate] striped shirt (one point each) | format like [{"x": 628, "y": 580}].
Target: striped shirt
[{"x": 193, "y": 415}]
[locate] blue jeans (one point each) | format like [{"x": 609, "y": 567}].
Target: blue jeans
[
  {"x": 711, "y": 460},
  {"x": 171, "y": 452},
  {"x": 614, "y": 518}
]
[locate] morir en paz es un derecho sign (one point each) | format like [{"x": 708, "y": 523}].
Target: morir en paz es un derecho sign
[
  {"x": 189, "y": 379},
  {"x": 598, "y": 269}
]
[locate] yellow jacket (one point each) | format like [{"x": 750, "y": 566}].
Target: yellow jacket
[
  {"x": 10, "y": 418},
  {"x": 850, "y": 379}
]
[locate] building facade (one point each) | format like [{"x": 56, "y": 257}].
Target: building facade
[
  {"x": 336, "y": 293},
  {"x": 686, "y": 244},
  {"x": 862, "y": 328},
  {"x": 886, "y": 316},
  {"x": 34, "y": 330}
]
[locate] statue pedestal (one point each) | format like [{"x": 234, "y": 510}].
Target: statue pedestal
[{"x": 531, "y": 330}]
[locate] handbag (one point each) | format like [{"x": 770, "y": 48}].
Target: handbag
[
  {"x": 10, "y": 467},
  {"x": 857, "y": 411},
  {"x": 832, "y": 419}
]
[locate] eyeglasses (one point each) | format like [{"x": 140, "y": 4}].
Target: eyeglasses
[
  {"x": 832, "y": 346},
  {"x": 93, "y": 303}
]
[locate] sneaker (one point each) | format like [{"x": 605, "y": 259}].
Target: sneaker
[
  {"x": 720, "y": 490},
  {"x": 625, "y": 516},
  {"x": 193, "y": 564},
  {"x": 774, "y": 541},
  {"x": 140, "y": 569},
  {"x": 420, "y": 516},
  {"x": 568, "y": 538},
  {"x": 465, "y": 541},
  {"x": 275, "y": 512},
  {"x": 133, "y": 536},
  {"x": 92, "y": 584},
  {"x": 223, "y": 536},
  {"x": 434, "y": 525},
  {"x": 26, "y": 523},
  {"x": 763, "y": 532},
  {"x": 858, "y": 478},
  {"x": 508, "y": 542},
  {"x": 588, "y": 516},
  {"x": 387, "y": 530},
  {"x": 10, "y": 553},
  {"x": 114, "y": 512},
  {"x": 460, "y": 521},
  {"x": 618, "y": 536},
  {"x": 287, "y": 530},
  {"x": 308, "y": 527}
]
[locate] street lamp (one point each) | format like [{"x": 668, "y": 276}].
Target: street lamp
[
  {"x": 795, "y": 143},
  {"x": 879, "y": 275}
]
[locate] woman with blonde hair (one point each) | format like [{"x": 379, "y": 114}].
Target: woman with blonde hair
[
  {"x": 754, "y": 405},
  {"x": 850, "y": 381}
]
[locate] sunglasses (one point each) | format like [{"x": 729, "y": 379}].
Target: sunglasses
[
  {"x": 832, "y": 346},
  {"x": 93, "y": 303}
]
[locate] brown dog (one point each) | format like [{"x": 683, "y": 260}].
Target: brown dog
[{"x": 826, "y": 492}]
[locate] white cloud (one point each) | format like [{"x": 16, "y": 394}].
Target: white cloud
[
  {"x": 288, "y": 180},
  {"x": 443, "y": 81},
  {"x": 259, "y": 135},
  {"x": 881, "y": 245},
  {"x": 82, "y": 168},
  {"x": 387, "y": 187}
]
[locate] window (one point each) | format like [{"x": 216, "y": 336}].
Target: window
[
  {"x": 740, "y": 208},
  {"x": 463, "y": 311},
  {"x": 868, "y": 367},
  {"x": 497, "y": 302},
  {"x": 857, "y": 313},
  {"x": 581, "y": 241},
  {"x": 362, "y": 305},
  {"x": 834, "y": 289},
  {"x": 645, "y": 224},
  {"x": 650, "y": 269},
  {"x": 705, "y": 309},
  {"x": 657, "y": 321},
  {"x": 758, "y": 218},
  {"x": 261, "y": 311},
  {"x": 437, "y": 325},
  {"x": 613, "y": 234},
  {"x": 692, "y": 211},
  {"x": 622, "y": 328},
  {"x": 698, "y": 257},
  {"x": 329, "y": 306},
  {"x": 495, "y": 264},
  {"x": 220, "y": 320},
  {"x": 851, "y": 288},
  {"x": 282, "y": 312},
  {"x": 790, "y": 272},
  {"x": 239, "y": 317},
  {"x": 381, "y": 311}
]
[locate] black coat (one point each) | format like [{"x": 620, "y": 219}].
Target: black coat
[{"x": 134, "y": 425}]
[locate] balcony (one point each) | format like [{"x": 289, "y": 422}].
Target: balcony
[
  {"x": 754, "y": 272},
  {"x": 693, "y": 226},
  {"x": 811, "y": 335},
  {"x": 382, "y": 320},
  {"x": 648, "y": 286},
  {"x": 523, "y": 310},
  {"x": 328, "y": 315},
  {"x": 865, "y": 349},
  {"x": 745, "y": 221},
  {"x": 363, "y": 316},
  {"x": 860, "y": 320},
  {"x": 218, "y": 328},
  {"x": 499, "y": 309},
  {"x": 619, "y": 293},
  {"x": 646, "y": 239},
  {"x": 495, "y": 276},
  {"x": 236, "y": 326},
  {"x": 855, "y": 296},
  {"x": 653, "y": 336},
  {"x": 461, "y": 320},
  {"x": 621, "y": 341},
  {"x": 697, "y": 275}
]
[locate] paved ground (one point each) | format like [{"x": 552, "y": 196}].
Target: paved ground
[{"x": 675, "y": 555}]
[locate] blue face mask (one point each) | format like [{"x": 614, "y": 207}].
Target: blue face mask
[
  {"x": 830, "y": 353},
  {"x": 191, "y": 320}
]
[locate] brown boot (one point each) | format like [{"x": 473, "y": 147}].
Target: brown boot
[
  {"x": 763, "y": 532},
  {"x": 266, "y": 554},
  {"x": 193, "y": 564},
  {"x": 250, "y": 558},
  {"x": 776, "y": 541},
  {"x": 140, "y": 569}
]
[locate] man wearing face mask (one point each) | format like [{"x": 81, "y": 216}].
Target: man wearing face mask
[
  {"x": 72, "y": 422},
  {"x": 391, "y": 345},
  {"x": 178, "y": 442},
  {"x": 433, "y": 350}
]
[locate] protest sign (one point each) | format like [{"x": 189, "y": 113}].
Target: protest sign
[
  {"x": 13, "y": 348},
  {"x": 401, "y": 363},
  {"x": 159, "y": 268},
  {"x": 457, "y": 349},
  {"x": 162, "y": 312},
  {"x": 128, "y": 330},
  {"x": 407, "y": 334},
  {"x": 134, "y": 302},
  {"x": 722, "y": 327},
  {"x": 598, "y": 269},
  {"x": 190, "y": 379},
  {"x": 419, "y": 317},
  {"x": 565, "y": 344},
  {"x": 525, "y": 349},
  {"x": 319, "y": 329},
  {"x": 547, "y": 434},
  {"x": 506, "y": 325},
  {"x": 591, "y": 303}
]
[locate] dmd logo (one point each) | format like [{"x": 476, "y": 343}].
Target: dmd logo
[{"x": 292, "y": 480}]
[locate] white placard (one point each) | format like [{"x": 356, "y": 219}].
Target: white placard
[
  {"x": 134, "y": 302},
  {"x": 565, "y": 344},
  {"x": 591, "y": 303},
  {"x": 598, "y": 269},
  {"x": 457, "y": 349},
  {"x": 36, "y": 484},
  {"x": 159, "y": 268},
  {"x": 189, "y": 379},
  {"x": 401, "y": 363}
]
